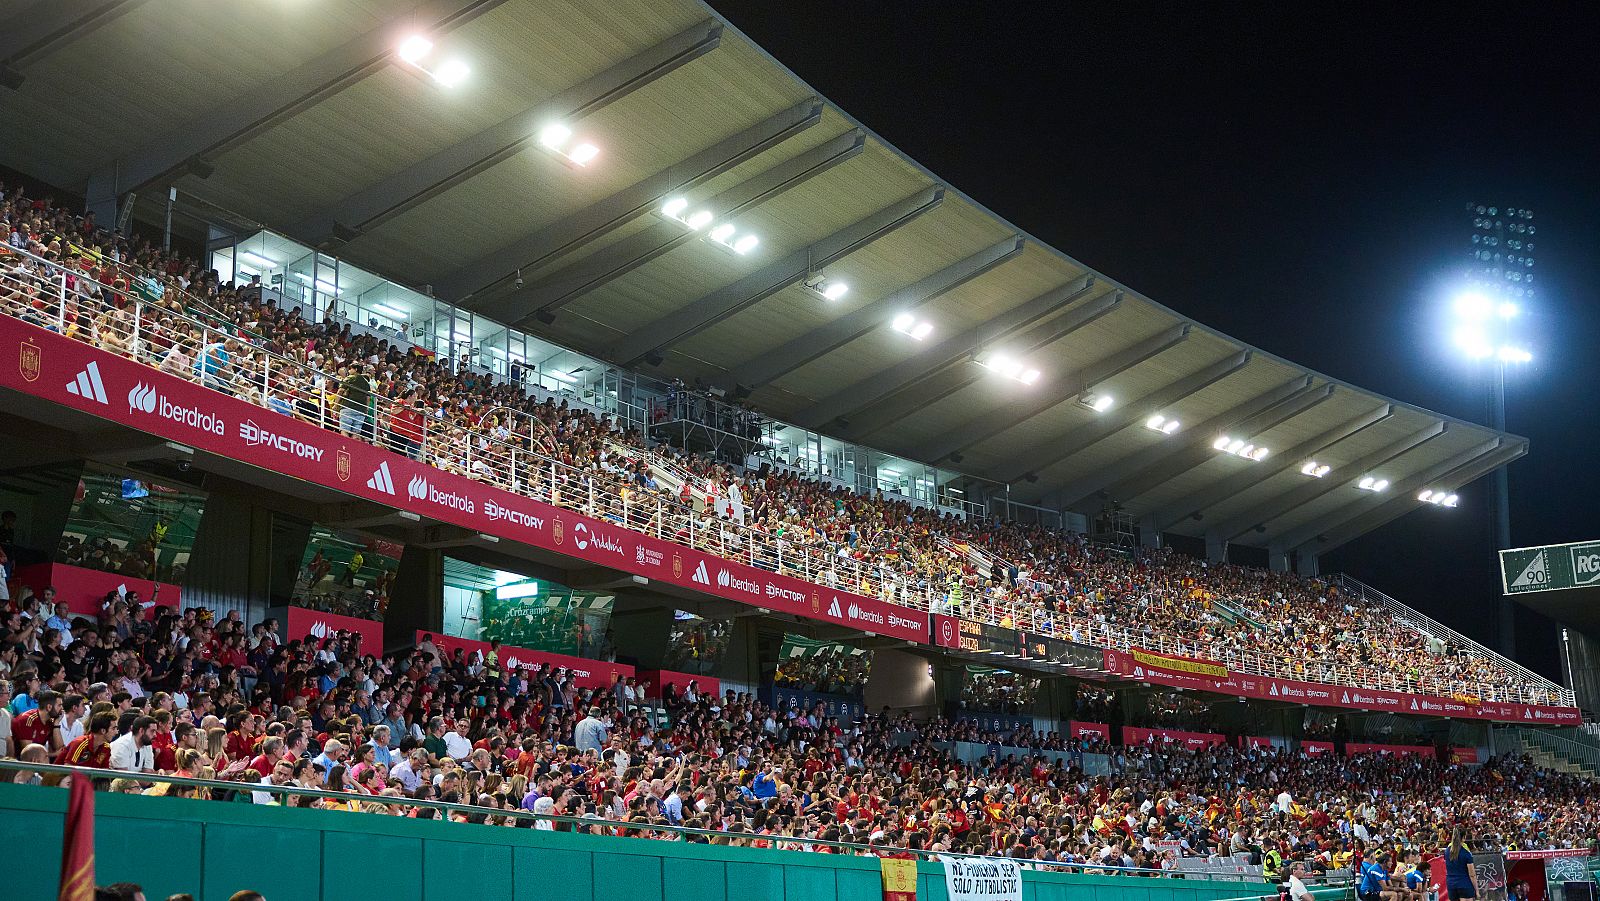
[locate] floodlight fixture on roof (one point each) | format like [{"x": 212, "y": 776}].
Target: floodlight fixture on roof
[
  {"x": 415, "y": 50},
  {"x": 557, "y": 138},
  {"x": 1160, "y": 423},
  {"x": 908, "y": 324},
  {"x": 723, "y": 234}
]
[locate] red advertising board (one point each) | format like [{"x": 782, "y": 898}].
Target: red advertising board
[
  {"x": 1122, "y": 663},
  {"x": 42, "y": 363},
  {"x": 1397, "y": 750},
  {"x": 654, "y": 680},
  {"x": 1316, "y": 747},
  {"x": 1132, "y": 735},
  {"x": 586, "y": 673},
  {"x": 1101, "y": 731},
  {"x": 1463, "y": 755},
  {"x": 83, "y": 589},
  {"x": 1256, "y": 741},
  {"x": 316, "y": 626}
]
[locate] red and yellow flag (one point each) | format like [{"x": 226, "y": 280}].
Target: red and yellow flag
[
  {"x": 899, "y": 879},
  {"x": 77, "y": 849}
]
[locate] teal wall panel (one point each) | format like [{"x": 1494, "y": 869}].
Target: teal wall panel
[
  {"x": 752, "y": 881},
  {"x": 702, "y": 880},
  {"x": 802, "y": 883},
  {"x": 214, "y": 849},
  {"x": 553, "y": 873},
  {"x": 453, "y": 870},
  {"x": 628, "y": 877},
  {"x": 122, "y": 845},
  {"x": 356, "y": 865},
  {"x": 278, "y": 863}
]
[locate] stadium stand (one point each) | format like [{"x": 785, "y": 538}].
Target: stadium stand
[
  {"x": 169, "y": 696},
  {"x": 70, "y": 276}
]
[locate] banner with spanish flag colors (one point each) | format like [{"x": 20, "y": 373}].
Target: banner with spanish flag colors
[
  {"x": 899, "y": 879},
  {"x": 77, "y": 846}
]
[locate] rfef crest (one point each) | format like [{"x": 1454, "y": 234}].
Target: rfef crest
[
  {"x": 558, "y": 530},
  {"x": 677, "y": 566},
  {"x": 29, "y": 360},
  {"x": 341, "y": 465}
]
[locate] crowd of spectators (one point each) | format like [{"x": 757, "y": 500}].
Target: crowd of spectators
[
  {"x": 196, "y": 695},
  {"x": 467, "y": 421}
]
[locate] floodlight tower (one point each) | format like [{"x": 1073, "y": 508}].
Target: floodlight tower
[{"x": 1498, "y": 282}]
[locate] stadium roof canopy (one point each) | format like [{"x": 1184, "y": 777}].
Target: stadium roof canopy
[{"x": 303, "y": 117}]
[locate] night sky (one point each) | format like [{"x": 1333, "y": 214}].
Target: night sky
[{"x": 1295, "y": 177}]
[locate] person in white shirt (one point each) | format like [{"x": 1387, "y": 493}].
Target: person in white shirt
[
  {"x": 70, "y": 726},
  {"x": 282, "y": 774},
  {"x": 1285, "y": 800},
  {"x": 132, "y": 752},
  {"x": 1297, "y": 885},
  {"x": 456, "y": 743}
]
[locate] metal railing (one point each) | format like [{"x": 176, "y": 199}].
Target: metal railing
[
  {"x": 617, "y": 828},
  {"x": 1583, "y": 755},
  {"x": 191, "y": 339},
  {"x": 1435, "y": 629}
]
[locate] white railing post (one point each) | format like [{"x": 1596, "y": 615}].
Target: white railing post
[
  {"x": 61, "y": 304},
  {"x": 133, "y": 339}
]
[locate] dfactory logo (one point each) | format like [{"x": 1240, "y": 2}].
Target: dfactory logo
[{"x": 255, "y": 435}]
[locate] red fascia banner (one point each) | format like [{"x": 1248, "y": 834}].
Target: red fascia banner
[
  {"x": 1546, "y": 853},
  {"x": 1136, "y": 736},
  {"x": 1316, "y": 747},
  {"x": 946, "y": 631},
  {"x": 1101, "y": 731},
  {"x": 586, "y": 673},
  {"x": 1463, "y": 755},
  {"x": 83, "y": 589},
  {"x": 1122, "y": 663},
  {"x": 315, "y": 626},
  {"x": 1398, "y": 750},
  {"x": 1255, "y": 741},
  {"x": 654, "y": 680},
  {"x": 43, "y": 364}
]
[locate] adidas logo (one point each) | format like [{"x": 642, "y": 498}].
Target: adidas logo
[
  {"x": 381, "y": 481},
  {"x": 833, "y": 608},
  {"x": 88, "y": 385},
  {"x": 700, "y": 574},
  {"x": 1274, "y": 691},
  {"x": 1344, "y": 698}
]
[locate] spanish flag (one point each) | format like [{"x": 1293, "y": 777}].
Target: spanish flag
[
  {"x": 77, "y": 849},
  {"x": 899, "y": 879}
]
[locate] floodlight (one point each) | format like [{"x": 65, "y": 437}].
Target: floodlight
[
  {"x": 452, "y": 73},
  {"x": 415, "y": 49},
  {"x": 554, "y": 135}
]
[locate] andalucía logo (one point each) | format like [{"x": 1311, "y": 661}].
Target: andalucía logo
[{"x": 30, "y": 360}]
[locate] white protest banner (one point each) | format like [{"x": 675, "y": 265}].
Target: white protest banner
[{"x": 982, "y": 879}]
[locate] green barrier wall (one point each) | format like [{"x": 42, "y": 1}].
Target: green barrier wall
[{"x": 213, "y": 849}]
